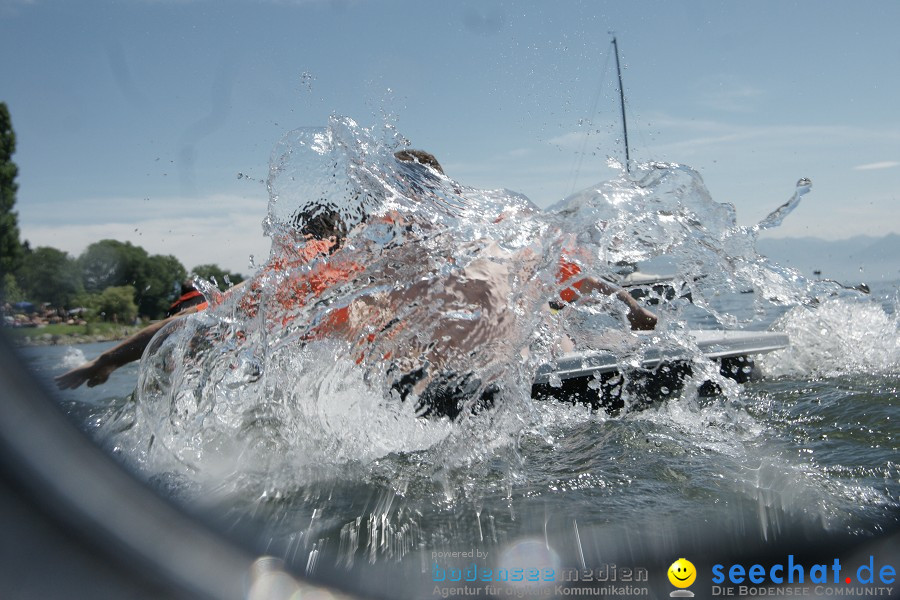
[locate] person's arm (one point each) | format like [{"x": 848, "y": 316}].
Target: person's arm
[
  {"x": 97, "y": 371},
  {"x": 638, "y": 316},
  {"x": 131, "y": 349}
]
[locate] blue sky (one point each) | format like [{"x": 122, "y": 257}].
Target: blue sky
[{"x": 134, "y": 118}]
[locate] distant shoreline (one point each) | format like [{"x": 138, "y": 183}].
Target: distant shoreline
[{"x": 65, "y": 335}]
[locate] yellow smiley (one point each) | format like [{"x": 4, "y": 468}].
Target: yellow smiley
[{"x": 682, "y": 573}]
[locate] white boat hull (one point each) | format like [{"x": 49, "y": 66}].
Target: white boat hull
[{"x": 596, "y": 378}]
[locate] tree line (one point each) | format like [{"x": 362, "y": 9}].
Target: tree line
[{"x": 109, "y": 278}]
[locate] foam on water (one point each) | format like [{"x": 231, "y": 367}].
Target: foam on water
[
  {"x": 837, "y": 336},
  {"x": 74, "y": 357},
  {"x": 321, "y": 365}
]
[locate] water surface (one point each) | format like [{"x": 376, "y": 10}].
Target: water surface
[{"x": 274, "y": 415}]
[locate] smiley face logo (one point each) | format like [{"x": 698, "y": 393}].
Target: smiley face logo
[{"x": 682, "y": 573}]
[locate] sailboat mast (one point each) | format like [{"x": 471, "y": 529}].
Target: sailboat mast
[{"x": 622, "y": 103}]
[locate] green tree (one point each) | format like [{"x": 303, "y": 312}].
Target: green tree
[
  {"x": 117, "y": 304},
  {"x": 111, "y": 263},
  {"x": 89, "y": 301},
  {"x": 161, "y": 280},
  {"x": 12, "y": 292},
  {"x": 49, "y": 275},
  {"x": 10, "y": 247},
  {"x": 222, "y": 277}
]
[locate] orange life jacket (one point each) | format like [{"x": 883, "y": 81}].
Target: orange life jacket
[
  {"x": 187, "y": 300},
  {"x": 293, "y": 286},
  {"x": 568, "y": 270}
]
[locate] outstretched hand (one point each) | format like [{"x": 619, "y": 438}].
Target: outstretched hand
[
  {"x": 93, "y": 372},
  {"x": 129, "y": 350}
]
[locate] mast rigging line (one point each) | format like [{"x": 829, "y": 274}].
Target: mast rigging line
[
  {"x": 593, "y": 112},
  {"x": 590, "y": 120}
]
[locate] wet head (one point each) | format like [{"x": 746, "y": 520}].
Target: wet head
[
  {"x": 321, "y": 226},
  {"x": 420, "y": 157}
]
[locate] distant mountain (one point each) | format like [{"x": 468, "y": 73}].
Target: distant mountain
[{"x": 853, "y": 260}]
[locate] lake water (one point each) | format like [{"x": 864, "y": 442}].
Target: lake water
[
  {"x": 791, "y": 460},
  {"x": 298, "y": 441}
]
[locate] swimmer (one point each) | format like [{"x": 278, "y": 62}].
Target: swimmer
[
  {"x": 320, "y": 228},
  {"x": 324, "y": 234}
]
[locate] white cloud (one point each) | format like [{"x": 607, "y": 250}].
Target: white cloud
[
  {"x": 572, "y": 140},
  {"x": 219, "y": 229},
  {"x": 128, "y": 209},
  {"x": 727, "y": 92},
  {"x": 696, "y": 135},
  {"x": 581, "y": 141},
  {"x": 519, "y": 152},
  {"x": 887, "y": 164},
  {"x": 739, "y": 99}
]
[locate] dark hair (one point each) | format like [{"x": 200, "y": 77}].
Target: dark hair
[
  {"x": 321, "y": 223},
  {"x": 419, "y": 156},
  {"x": 187, "y": 286}
]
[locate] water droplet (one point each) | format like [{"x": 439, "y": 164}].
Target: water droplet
[{"x": 306, "y": 80}]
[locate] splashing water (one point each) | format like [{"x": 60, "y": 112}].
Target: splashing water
[
  {"x": 435, "y": 303},
  {"x": 393, "y": 334},
  {"x": 74, "y": 357},
  {"x": 434, "y": 292},
  {"x": 840, "y": 336}
]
